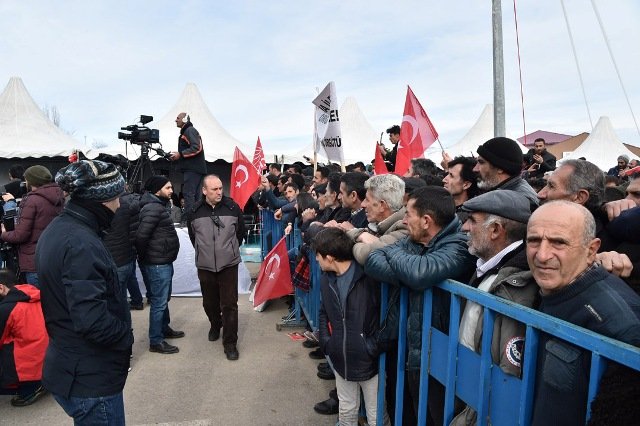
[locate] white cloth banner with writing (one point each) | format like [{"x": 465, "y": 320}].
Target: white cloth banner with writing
[{"x": 327, "y": 124}]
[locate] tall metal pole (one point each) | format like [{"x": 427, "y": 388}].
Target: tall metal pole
[{"x": 498, "y": 71}]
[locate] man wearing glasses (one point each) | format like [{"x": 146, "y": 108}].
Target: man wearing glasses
[{"x": 216, "y": 229}]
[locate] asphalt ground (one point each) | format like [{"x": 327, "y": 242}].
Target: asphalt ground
[{"x": 273, "y": 383}]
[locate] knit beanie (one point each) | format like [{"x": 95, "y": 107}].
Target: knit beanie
[
  {"x": 503, "y": 153},
  {"x": 155, "y": 183},
  {"x": 38, "y": 176},
  {"x": 91, "y": 180}
]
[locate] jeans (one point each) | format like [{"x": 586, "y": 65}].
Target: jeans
[
  {"x": 158, "y": 277},
  {"x": 98, "y": 411},
  {"x": 349, "y": 398},
  {"x": 191, "y": 190},
  {"x": 32, "y": 278},
  {"x": 129, "y": 282}
]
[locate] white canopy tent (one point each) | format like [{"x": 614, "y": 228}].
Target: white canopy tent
[
  {"x": 358, "y": 136},
  {"x": 602, "y": 147},
  {"x": 25, "y": 131},
  {"x": 217, "y": 142}
]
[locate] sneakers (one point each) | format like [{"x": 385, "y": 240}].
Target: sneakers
[
  {"x": 214, "y": 334},
  {"x": 170, "y": 333},
  {"x": 19, "y": 401},
  {"x": 232, "y": 353},
  {"x": 164, "y": 348}
]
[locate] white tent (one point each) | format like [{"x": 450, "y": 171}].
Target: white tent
[
  {"x": 217, "y": 142},
  {"x": 358, "y": 136},
  {"x": 602, "y": 147},
  {"x": 25, "y": 131}
]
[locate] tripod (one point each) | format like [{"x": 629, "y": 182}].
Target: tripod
[{"x": 142, "y": 169}]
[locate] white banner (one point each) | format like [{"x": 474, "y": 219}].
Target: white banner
[{"x": 327, "y": 124}]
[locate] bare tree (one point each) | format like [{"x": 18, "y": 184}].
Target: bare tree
[{"x": 52, "y": 113}]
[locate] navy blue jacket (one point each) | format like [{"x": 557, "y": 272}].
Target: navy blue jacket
[
  {"x": 85, "y": 309},
  {"x": 352, "y": 343}
]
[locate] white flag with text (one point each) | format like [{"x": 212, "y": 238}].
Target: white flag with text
[{"x": 327, "y": 124}]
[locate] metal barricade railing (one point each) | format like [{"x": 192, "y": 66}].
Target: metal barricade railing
[
  {"x": 272, "y": 231},
  {"x": 473, "y": 377}
]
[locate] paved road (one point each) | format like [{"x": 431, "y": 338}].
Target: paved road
[{"x": 273, "y": 383}]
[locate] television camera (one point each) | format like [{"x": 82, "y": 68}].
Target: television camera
[{"x": 140, "y": 134}]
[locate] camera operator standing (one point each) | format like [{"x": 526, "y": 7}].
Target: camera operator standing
[
  {"x": 43, "y": 202},
  {"x": 192, "y": 163}
]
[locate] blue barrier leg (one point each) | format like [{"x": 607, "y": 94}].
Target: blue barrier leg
[
  {"x": 425, "y": 353},
  {"x": 485, "y": 366},
  {"x": 452, "y": 350},
  {"x": 402, "y": 353},
  {"x": 382, "y": 362},
  {"x": 598, "y": 367}
]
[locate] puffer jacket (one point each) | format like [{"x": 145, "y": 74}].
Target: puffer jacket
[
  {"x": 217, "y": 245},
  {"x": 37, "y": 210},
  {"x": 121, "y": 238},
  {"x": 352, "y": 342},
  {"x": 156, "y": 239},
  {"x": 418, "y": 267}
]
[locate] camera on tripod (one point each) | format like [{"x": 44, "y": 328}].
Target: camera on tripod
[{"x": 140, "y": 134}]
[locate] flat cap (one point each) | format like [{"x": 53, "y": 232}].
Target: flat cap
[{"x": 502, "y": 202}]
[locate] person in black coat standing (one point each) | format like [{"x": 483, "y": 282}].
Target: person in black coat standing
[
  {"x": 85, "y": 311},
  {"x": 157, "y": 245}
]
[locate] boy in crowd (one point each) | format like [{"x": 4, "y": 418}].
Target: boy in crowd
[{"x": 349, "y": 323}]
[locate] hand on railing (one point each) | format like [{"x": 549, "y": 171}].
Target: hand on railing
[
  {"x": 616, "y": 263},
  {"x": 277, "y": 215},
  {"x": 288, "y": 229}
]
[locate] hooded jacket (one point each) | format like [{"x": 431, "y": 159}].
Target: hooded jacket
[
  {"x": 157, "y": 241},
  {"x": 216, "y": 234},
  {"x": 23, "y": 337},
  {"x": 37, "y": 210}
]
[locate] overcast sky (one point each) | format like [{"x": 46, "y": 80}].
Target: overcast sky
[{"x": 257, "y": 64}]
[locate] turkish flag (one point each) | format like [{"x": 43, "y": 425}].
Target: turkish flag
[
  {"x": 416, "y": 133},
  {"x": 258, "y": 158},
  {"x": 244, "y": 178},
  {"x": 274, "y": 278},
  {"x": 379, "y": 166}
]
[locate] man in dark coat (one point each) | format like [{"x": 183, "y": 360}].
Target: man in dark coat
[
  {"x": 85, "y": 312},
  {"x": 44, "y": 201},
  {"x": 539, "y": 160},
  {"x": 157, "y": 245}
]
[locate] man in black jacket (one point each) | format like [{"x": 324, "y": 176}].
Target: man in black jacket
[
  {"x": 216, "y": 229},
  {"x": 85, "y": 312},
  {"x": 192, "y": 162},
  {"x": 157, "y": 245},
  {"x": 539, "y": 160}
]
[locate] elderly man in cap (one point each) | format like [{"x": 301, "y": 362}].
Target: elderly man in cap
[
  {"x": 499, "y": 167},
  {"x": 38, "y": 207},
  {"x": 497, "y": 226},
  {"x": 86, "y": 314},
  {"x": 561, "y": 252},
  {"x": 157, "y": 245}
]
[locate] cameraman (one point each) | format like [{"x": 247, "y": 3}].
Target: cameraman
[
  {"x": 39, "y": 206},
  {"x": 192, "y": 163}
]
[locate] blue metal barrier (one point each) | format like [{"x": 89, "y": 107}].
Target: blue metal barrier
[
  {"x": 473, "y": 377},
  {"x": 271, "y": 232}
]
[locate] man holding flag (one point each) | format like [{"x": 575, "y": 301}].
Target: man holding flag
[{"x": 216, "y": 229}]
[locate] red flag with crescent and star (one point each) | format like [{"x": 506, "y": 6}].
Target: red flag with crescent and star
[
  {"x": 258, "y": 158},
  {"x": 379, "y": 166},
  {"x": 416, "y": 133},
  {"x": 274, "y": 278},
  {"x": 244, "y": 178}
]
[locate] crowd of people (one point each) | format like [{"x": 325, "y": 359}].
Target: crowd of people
[{"x": 561, "y": 239}]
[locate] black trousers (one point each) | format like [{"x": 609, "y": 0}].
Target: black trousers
[{"x": 220, "y": 301}]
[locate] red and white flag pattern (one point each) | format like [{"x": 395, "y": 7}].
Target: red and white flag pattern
[
  {"x": 258, "y": 158},
  {"x": 379, "y": 166},
  {"x": 416, "y": 133},
  {"x": 244, "y": 178},
  {"x": 274, "y": 278}
]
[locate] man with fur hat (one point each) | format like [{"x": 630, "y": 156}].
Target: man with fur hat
[
  {"x": 43, "y": 202},
  {"x": 157, "y": 245},
  {"x": 86, "y": 314},
  {"x": 499, "y": 166}
]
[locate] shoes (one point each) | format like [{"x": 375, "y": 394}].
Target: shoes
[
  {"x": 19, "y": 401},
  {"x": 164, "y": 348},
  {"x": 136, "y": 306},
  {"x": 311, "y": 335},
  {"x": 310, "y": 344},
  {"x": 316, "y": 354},
  {"x": 333, "y": 394},
  {"x": 325, "y": 373},
  {"x": 170, "y": 333},
  {"x": 232, "y": 353},
  {"x": 329, "y": 406},
  {"x": 214, "y": 334}
]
